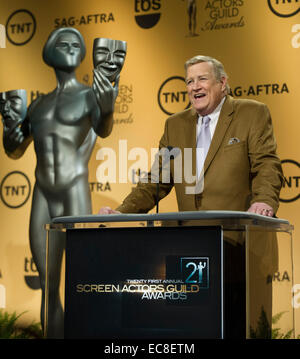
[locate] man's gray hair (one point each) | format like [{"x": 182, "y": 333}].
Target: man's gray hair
[{"x": 217, "y": 67}]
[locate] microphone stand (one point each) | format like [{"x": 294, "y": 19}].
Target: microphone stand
[{"x": 169, "y": 148}]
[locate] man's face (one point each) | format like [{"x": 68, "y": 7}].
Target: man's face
[
  {"x": 109, "y": 56},
  {"x": 204, "y": 90},
  {"x": 67, "y": 51},
  {"x": 13, "y": 106}
]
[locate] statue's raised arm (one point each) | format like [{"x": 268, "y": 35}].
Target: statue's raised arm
[{"x": 108, "y": 56}]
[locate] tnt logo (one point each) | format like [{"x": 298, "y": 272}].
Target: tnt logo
[
  {"x": 20, "y": 27},
  {"x": 172, "y": 95},
  {"x": 15, "y": 189},
  {"x": 291, "y": 183},
  {"x": 284, "y": 8},
  {"x": 195, "y": 270}
]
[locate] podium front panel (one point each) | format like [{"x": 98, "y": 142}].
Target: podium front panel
[
  {"x": 144, "y": 283},
  {"x": 213, "y": 274}
]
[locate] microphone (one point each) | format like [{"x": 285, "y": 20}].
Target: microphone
[{"x": 164, "y": 162}]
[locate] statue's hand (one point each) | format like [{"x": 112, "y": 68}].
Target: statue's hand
[
  {"x": 105, "y": 92},
  {"x": 12, "y": 137}
]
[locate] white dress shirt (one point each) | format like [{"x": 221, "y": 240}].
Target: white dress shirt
[{"x": 214, "y": 117}]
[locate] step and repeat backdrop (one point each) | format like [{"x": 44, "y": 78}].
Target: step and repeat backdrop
[{"x": 258, "y": 41}]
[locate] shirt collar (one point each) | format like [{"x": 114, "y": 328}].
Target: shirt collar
[{"x": 215, "y": 114}]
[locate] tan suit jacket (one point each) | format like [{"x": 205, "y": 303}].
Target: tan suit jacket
[{"x": 235, "y": 175}]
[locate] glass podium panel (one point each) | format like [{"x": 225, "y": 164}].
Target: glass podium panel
[{"x": 269, "y": 281}]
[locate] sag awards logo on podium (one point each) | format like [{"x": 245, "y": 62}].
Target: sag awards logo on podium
[
  {"x": 187, "y": 278},
  {"x": 195, "y": 270}
]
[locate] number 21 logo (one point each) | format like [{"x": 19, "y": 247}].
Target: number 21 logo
[{"x": 195, "y": 270}]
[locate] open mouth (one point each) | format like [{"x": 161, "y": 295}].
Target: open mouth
[
  {"x": 199, "y": 96},
  {"x": 108, "y": 69}
]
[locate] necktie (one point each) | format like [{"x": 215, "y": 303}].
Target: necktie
[{"x": 203, "y": 143}]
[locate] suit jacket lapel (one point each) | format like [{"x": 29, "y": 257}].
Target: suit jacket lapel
[
  {"x": 225, "y": 118},
  {"x": 190, "y": 135}
]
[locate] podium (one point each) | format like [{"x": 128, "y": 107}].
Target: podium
[{"x": 183, "y": 275}]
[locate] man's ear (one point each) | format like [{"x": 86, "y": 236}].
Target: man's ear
[{"x": 223, "y": 83}]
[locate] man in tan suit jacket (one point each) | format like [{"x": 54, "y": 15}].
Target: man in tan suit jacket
[
  {"x": 241, "y": 173},
  {"x": 241, "y": 170}
]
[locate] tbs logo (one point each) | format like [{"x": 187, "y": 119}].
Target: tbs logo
[
  {"x": 31, "y": 276},
  {"x": 146, "y": 12},
  {"x": 195, "y": 270}
]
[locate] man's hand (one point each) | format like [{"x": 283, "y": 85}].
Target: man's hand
[
  {"x": 108, "y": 210},
  {"x": 261, "y": 208}
]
